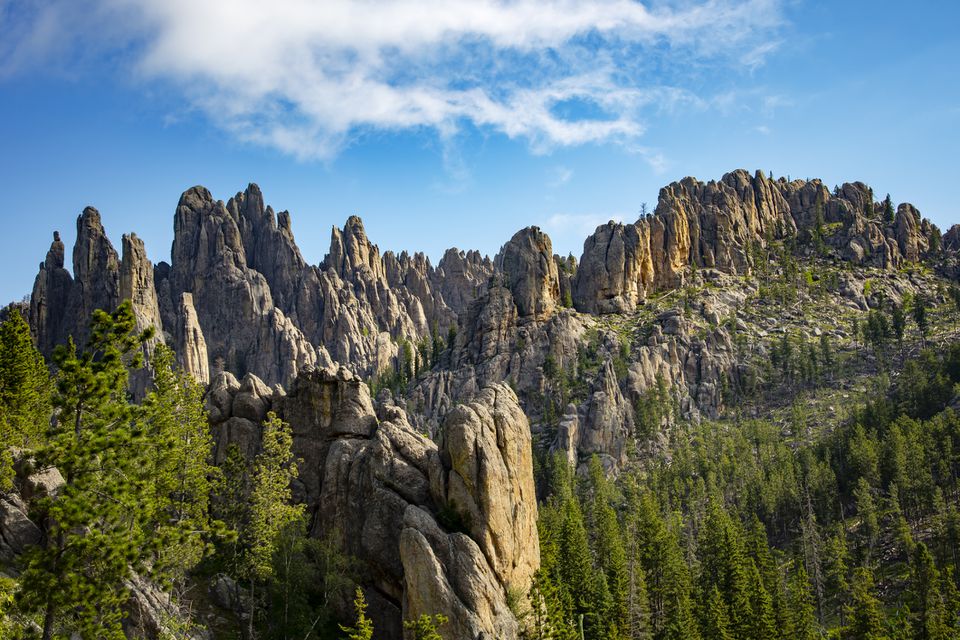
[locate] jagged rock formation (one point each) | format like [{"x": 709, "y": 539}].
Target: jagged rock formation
[
  {"x": 442, "y": 527},
  {"x": 255, "y": 305},
  {"x": 431, "y": 485},
  {"x": 716, "y": 225},
  {"x": 528, "y": 267},
  {"x": 238, "y": 296}
]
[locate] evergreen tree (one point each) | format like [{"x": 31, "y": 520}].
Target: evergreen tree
[
  {"x": 889, "y": 214},
  {"x": 575, "y": 563},
  {"x": 425, "y": 627},
  {"x": 920, "y": 304},
  {"x": 679, "y": 622},
  {"x": 717, "y": 621},
  {"x": 179, "y": 474},
  {"x": 867, "y": 511},
  {"x": 837, "y": 568},
  {"x": 898, "y": 320},
  {"x": 930, "y": 620},
  {"x": 610, "y": 553},
  {"x": 954, "y": 292},
  {"x": 95, "y": 525},
  {"x": 270, "y": 509},
  {"x": 547, "y": 621},
  {"x": 363, "y": 626},
  {"x": 864, "y": 612},
  {"x": 800, "y": 606},
  {"x": 24, "y": 393},
  {"x": 763, "y": 625}
]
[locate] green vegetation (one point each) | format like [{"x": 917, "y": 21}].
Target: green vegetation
[
  {"x": 363, "y": 629},
  {"x": 425, "y": 627},
  {"x": 739, "y": 532}
]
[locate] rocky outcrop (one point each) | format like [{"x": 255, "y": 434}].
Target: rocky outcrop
[
  {"x": 254, "y": 303},
  {"x": 461, "y": 277},
  {"x": 191, "y": 348},
  {"x": 616, "y": 269},
  {"x": 529, "y": 271},
  {"x": 48, "y": 302},
  {"x": 137, "y": 285},
  {"x": 718, "y": 225},
  {"x": 441, "y": 527}
]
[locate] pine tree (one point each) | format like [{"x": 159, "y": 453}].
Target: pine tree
[
  {"x": 867, "y": 511},
  {"x": 888, "y": 212},
  {"x": 930, "y": 621},
  {"x": 898, "y": 320},
  {"x": 180, "y": 472},
  {"x": 425, "y": 627},
  {"x": 575, "y": 563},
  {"x": 838, "y": 583},
  {"x": 547, "y": 615},
  {"x": 95, "y": 524},
  {"x": 270, "y": 509},
  {"x": 763, "y": 624},
  {"x": 638, "y": 603},
  {"x": 24, "y": 393},
  {"x": 363, "y": 626},
  {"x": 920, "y": 304},
  {"x": 800, "y": 605},
  {"x": 717, "y": 621},
  {"x": 864, "y": 612},
  {"x": 679, "y": 622},
  {"x": 610, "y": 553}
]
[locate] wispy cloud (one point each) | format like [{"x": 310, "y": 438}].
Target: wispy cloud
[
  {"x": 578, "y": 225},
  {"x": 308, "y": 77},
  {"x": 559, "y": 176}
]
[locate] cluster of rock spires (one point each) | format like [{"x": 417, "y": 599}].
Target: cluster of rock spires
[
  {"x": 390, "y": 494},
  {"x": 433, "y": 489},
  {"x": 238, "y": 296}
]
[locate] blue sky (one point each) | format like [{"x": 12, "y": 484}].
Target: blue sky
[{"x": 456, "y": 123}]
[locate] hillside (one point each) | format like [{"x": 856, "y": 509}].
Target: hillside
[{"x": 733, "y": 418}]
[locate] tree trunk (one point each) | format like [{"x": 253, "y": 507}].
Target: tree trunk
[
  {"x": 48, "y": 617},
  {"x": 253, "y": 608}
]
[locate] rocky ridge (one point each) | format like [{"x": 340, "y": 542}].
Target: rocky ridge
[
  {"x": 445, "y": 526},
  {"x": 430, "y": 484},
  {"x": 238, "y": 297}
]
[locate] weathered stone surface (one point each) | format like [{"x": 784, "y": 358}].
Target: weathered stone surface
[
  {"x": 44, "y": 482},
  {"x": 381, "y": 486},
  {"x": 137, "y": 286},
  {"x": 191, "y": 347},
  {"x": 48, "y": 302},
  {"x": 529, "y": 271},
  {"x": 17, "y": 531},
  {"x": 490, "y": 481},
  {"x": 616, "y": 269},
  {"x": 716, "y": 225}
]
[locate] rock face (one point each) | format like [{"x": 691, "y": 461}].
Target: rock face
[
  {"x": 717, "y": 225},
  {"x": 256, "y": 305},
  {"x": 442, "y": 527},
  {"x": 528, "y": 268},
  {"x": 431, "y": 486},
  {"x": 238, "y": 295},
  {"x": 616, "y": 270}
]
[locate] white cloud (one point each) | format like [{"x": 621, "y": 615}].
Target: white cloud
[{"x": 307, "y": 77}]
